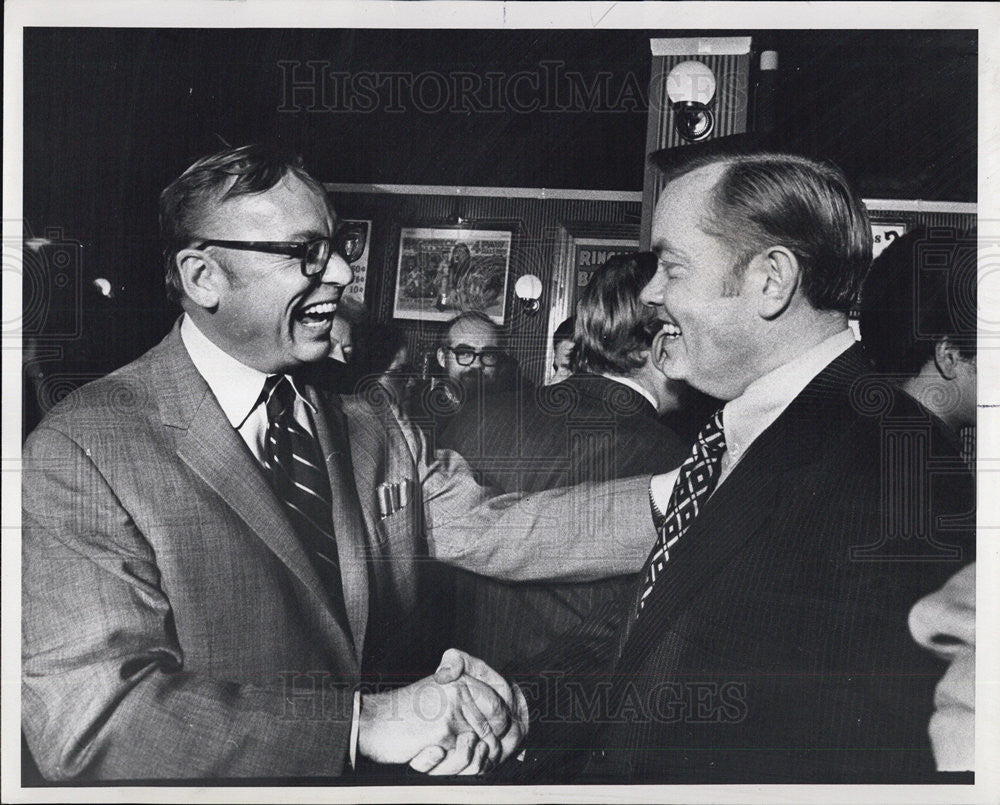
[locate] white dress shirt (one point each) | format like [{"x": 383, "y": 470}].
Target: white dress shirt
[
  {"x": 749, "y": 415},
  {"x": 237, "y": 388}
]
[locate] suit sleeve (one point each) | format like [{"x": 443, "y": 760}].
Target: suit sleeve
[
  {"x": 105, "y": 693},
  {"x": 579, "y": 533}
]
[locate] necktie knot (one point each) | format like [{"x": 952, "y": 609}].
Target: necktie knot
[
  {"x": 278, "y": 396},
  {"x": 712, "y": 438}
]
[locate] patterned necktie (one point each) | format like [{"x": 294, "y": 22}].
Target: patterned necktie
[
  {"x": 696, "y": 479},
  {"x": 298, "y": 475}
]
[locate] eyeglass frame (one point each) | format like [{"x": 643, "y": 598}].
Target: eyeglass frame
[
  {"x": 494, "y": 354},
  {"x": 297, "y": 249}
]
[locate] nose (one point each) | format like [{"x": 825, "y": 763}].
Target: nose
[
  {"x": 652, "y": 294},
  {"x": 337, "y": 271},
  {"x": 941, "y": 621}
]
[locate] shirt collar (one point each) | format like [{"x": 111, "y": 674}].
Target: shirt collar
[
  {"x": 750, "y": 414},
  {"x": 236, "y": 386},
  {"x": 627, "y": 381}
]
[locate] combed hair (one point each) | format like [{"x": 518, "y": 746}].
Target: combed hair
[
  {"x": 764, "y": 200},
  {"x": 613, "y": 327},
  {"x": 565, "y": 331},
  {"x": 186, "y": 202},
  {"x": 921, "y": 289}
]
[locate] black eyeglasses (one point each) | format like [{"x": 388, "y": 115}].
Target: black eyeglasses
[
  {"x": 348, "y": 241},
  {"x": 464, "y": 356}
]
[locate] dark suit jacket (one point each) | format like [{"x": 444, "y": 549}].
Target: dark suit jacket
[
  {"x": 173, "y": 624},
  {"x": 587, "y": 428},
  {"x": 775, "y": 649}
]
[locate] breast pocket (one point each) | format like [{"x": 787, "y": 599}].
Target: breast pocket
[{"x": 401, "y": 532}]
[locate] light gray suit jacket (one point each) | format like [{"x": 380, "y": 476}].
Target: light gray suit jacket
[{"x": 173, "y": 625}]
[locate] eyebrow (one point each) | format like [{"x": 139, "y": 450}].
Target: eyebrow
[
  {"x": 662, "y": 247},
  {"x": 306, "y": 234}
]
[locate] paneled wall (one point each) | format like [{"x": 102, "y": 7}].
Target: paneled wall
[
  {"x": 931, "y": 214},
  {"x": 729, "y": 60},
  {"x": 535, "y": 217}
]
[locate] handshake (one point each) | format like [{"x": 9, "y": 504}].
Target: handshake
[{"x": 465, "y": 719}]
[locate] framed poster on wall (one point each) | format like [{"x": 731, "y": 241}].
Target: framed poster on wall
[
  {"x": 885, "y": 232},
  {"x": 590, "y": 254},
  {"x": 442, "y": 271},
  {"x": 581, "y": 248}
]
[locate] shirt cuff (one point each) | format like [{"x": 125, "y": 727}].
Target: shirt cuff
[{"x": 355, "y": 718}]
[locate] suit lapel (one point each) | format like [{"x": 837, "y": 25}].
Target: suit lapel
[
  {"x": 211, "y": 447},
  {"x": 737, "y": 511},
  {"x": 219, "y": 456},
  {"x": 348, "y": 525},
  {"x": 741, "y": 506}
]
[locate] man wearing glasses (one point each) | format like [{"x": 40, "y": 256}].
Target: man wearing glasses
[
  {"x": 473, "y": 368},
  {"x": 470, "y": 351},
  {"x": 220, "y": 558}
]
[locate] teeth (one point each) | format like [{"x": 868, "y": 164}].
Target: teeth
[
  {"x": 670, "y": 330},
  {"x": 319, "y": 309}
]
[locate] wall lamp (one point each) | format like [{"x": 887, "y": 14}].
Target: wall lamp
[
  {"x": 528, "y": 290},
  {"x": 691, "y": 88}
]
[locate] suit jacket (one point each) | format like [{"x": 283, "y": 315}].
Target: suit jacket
[
  {"x": 173, "y": 625},
  {"x": 775, "y": 648},
  {"x": 587, "y": 428}
]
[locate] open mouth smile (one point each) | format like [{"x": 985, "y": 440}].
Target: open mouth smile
[
  {"x": 668, "y": 333},
  {"x": 670, "y": 330},
  {"x": 317, "y": 315}
]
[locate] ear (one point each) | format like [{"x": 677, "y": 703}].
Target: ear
[
  {"x": 777, "y": 272},
  {"x": 441, "y": 356},
  {"x": 201, "y": 277},
  {"x": 946, "y": 359}
]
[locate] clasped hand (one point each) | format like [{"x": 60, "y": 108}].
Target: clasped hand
[{"x": 464, "y": 719}]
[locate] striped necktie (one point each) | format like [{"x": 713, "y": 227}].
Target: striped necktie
[
  {"x": 298, "y": 475},
  {"x": 696, "y": 480}
]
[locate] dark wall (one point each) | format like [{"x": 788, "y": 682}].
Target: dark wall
[{"x": 111, "y": 116}]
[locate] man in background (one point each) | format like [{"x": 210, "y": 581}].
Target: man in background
[
  {"x": 472, "y": 366},
  {"x": 563, "y": 350},
  {"x": 470, "y": 352},
  {"x": 346, "y": 330},
  {"x": 600, "y": 423},
  {"x": 918, "y": 321},
  {"x": 351, "y": 314}
]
